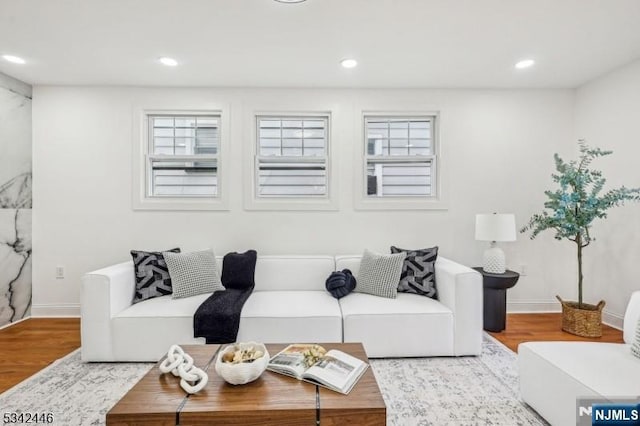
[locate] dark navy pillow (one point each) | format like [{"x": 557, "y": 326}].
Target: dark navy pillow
[{"x": 340, "y": 283}]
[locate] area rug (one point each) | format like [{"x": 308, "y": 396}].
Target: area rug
[{"x": 418, "y": 391}]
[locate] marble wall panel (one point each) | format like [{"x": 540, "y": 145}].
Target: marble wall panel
[{"x": 15, "y": 200}]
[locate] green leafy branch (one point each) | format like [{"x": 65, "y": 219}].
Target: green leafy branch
[{"x": 579, "y": 200}]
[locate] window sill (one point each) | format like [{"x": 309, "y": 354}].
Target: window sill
[
  {"x": 400, "y": 204},
  {"x": 180, "y": 204},
  {"x": 283, "y": 204}
]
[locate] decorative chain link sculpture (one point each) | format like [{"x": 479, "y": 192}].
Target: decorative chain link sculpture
[{"x": 179, "y": 363}]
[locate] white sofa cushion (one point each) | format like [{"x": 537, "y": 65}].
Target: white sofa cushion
[
  {"x": 292, "y": 272},
  {"x": 583, "y": 360},
  {"x": 291, "y": 316},
  {"x": 554, "y": 374},
  {"x": 147, "y": 329},
  {"x": 387, "y": 327}
]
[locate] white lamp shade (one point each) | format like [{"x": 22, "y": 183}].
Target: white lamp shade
[{"x": 495, "y": 227}]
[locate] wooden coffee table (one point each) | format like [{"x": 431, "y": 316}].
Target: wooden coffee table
[{"x": 272, "y": 399}]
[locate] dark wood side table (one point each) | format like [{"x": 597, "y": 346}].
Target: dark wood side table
[{"x": 495, "y": 297}]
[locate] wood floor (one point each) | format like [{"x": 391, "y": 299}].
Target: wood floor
[
  {"x": 545, "y": 327},
  {"x": 31, "y": 345}
]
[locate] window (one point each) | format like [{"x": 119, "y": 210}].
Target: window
[
  {"x": 292, "y": 156},
  {"x": 179, "y": 157},
  {"x": 400, "y": 157},
  {"x": 182, "y": 156}
]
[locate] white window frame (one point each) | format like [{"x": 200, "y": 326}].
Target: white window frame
[
  {"x": 431, "y": 202},
  {"x": 142, "y": 157},
  {"x": 252, "y": 201}
]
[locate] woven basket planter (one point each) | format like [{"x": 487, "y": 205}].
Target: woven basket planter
[{"x": 585, "y": 321}]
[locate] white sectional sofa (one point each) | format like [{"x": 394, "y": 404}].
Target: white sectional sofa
[
  {"x": 289, "y": 304},
  {"x": 554, "y": 374}
]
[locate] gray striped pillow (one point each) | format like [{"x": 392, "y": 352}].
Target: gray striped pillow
[
  {"x": 379, "y": 274},
  {"x": 635, "y": 346}
]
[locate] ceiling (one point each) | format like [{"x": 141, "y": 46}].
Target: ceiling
[{"x": 263, "y": 43}]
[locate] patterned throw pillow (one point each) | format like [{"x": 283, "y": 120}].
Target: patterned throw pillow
[
  {"x": 418, "y": 271},
  {"x": 193, "y": 273},
  {"x": 151, "y": 274},
  {"x": 379, "y": 274},
  {"x": 635, "y": 346}
]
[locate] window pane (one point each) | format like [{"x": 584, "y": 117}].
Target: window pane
[
  {"x": 270, "y": 123},
  {"x": 292, "y": 152},
  {"x": 293, "y": 136},
  {"x": 399, "y": 133},
  {"x": 399, "y": 179},
  {"x": 297, "y": 124},
  {"x": 270, "y": 152},
  {"x": 314, "y": 143},
  {"x": 185, "y": 135},
  {"x": 163, "y": 132},
  {"x": 183, "y": 132},
  {"x": 163, "y": 122},
  {"x": 313, "y": 133},
  {"x": 205, "y": 121},
  {"x": 292, "y": 179},
  {"x": 185, "y": 122},
  {"x": 270, "y": 133},
  {"x": 318, "y": 124},
  {"x": 171, "y": 178},
  {"x": 292, "y": 133},
  {"x": 420, "y": 133},
  {"x": 292, "y": 143}
]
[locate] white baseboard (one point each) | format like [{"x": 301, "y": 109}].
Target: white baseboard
[
  {"x": 612, "y": 320},
  {"x": 9, "y": 324},
  {"x": 55, "y": 310},
  {"x": 531, "y": 306}
]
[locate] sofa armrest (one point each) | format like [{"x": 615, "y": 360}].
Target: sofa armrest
[
  {"x": 460, "y": 289},
  {"x": 105, "y": 293},
  {"x": 631, "y": 317}
]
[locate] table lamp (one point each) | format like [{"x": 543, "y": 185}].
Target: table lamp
[{"x": 495, "y": 227}]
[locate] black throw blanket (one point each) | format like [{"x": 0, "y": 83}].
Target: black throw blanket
[{"x": 217, "y": 319}]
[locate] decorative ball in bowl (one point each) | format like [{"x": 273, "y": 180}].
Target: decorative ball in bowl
[{"x": 241, "y": 363}]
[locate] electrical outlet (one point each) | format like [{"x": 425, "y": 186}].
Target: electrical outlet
[
  {"x": 523, "y": 270},
  {"x": 59, "y": 272}
]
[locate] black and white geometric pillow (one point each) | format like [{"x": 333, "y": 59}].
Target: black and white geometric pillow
[
  {"x": 418, "y": 271},
  {"x": 193, "y": 273},
  {"x": 151, "y": 274},
  {"x": 379, "y": 274}
]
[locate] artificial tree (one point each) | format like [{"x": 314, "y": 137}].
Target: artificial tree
[{"x": 573, "y": 207}]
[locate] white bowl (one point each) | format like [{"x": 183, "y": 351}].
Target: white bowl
[{"x": 243, "y": 372}]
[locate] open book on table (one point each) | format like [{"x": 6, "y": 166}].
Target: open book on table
[{"x": 334, "y": 369}]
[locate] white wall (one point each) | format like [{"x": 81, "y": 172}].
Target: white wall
[
  {"x": 497, "y": 148},
  {"x": 607, "y": 116}
]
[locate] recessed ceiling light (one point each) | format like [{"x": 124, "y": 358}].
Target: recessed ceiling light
[
  {"x": 170, "y": 62},
  {"x": 13, "y": 59},
  {"x": 525, "y": 63},
  {"x": 349, "y": 63},
  {"x": 290, "y": 1}
]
